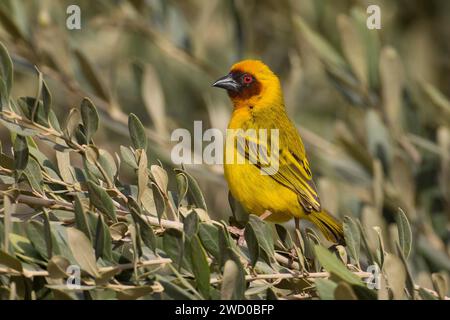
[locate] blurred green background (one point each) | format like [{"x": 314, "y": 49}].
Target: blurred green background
[{"x": 370, "y": 105}]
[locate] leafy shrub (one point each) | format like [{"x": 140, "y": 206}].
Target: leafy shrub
[{"x": 137, "y": 228}]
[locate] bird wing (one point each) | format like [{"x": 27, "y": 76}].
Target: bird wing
[{"x": 293, "y": 169}]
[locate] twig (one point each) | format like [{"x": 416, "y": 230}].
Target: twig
[
  {"x": 40, "y": 202},
  {"x": 434, "y": 293},
  {"x": 300, "y": 296},
  {"x": 286, "y": 261},
  {"x": 169, "y": 224},
  {"x": 126, "y": 266},
  {"x": 156, "y": 287},
  {"x": 280, "y": 276},
  {"x": 120, "y": 267}
]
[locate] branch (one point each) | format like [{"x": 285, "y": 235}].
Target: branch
[
  {"x": 121, "y": 267},
  {"x": 280, "y": 276}
]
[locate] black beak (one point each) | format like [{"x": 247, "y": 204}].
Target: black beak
[{"x": 228, "y": 83}]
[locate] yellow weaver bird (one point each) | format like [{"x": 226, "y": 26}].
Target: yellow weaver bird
[{"x": 288, "y": 192}]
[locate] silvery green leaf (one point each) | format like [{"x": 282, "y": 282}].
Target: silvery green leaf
[
  {"x": 404, "y": 233},
  {"x": 128, "y": 157},
  {"x": 252, "y": 244},
  {"x": 21, "y": 153},
  {"x": 57, "y": 267},
  {"x": 200, "y": 266},
  {"x": 320, "y": 45},
  {"x": 118, "y": 230},
  {"x": 64, "y": 167},
  {"x": 46, "y": 100},
  {"x": 365, "y": 242},
  {"x": 194, "y": 190},
  {"x": 92, "y": 76},
  {"x": 92, "y": 154},
  {"x": 396, "y": 276},
  {"x": 80, "y": 217},
  {"x": 209, "y": 236},
  {"x": 6, "y": 69},
  {"x": 371, "y": 43},
  {"x": 89, "y": 116},
  {"x": 409, "y": 280},
  {"x": 378, "y": 139},
  {"x": 7, "y": 227},
  {"x": 334, "y": 266},
  {"x": 53, "y": 121},
  {"x": 440, "y": 284},
  {"x": 233, "y": 281},
  {"x": 264, "y": 236},
  {"x": 177, "y": 249},
  {"x": 106, "y": 161},
  {"x": 426, "y": 295},
  {"x": 103, "y": 245},
  {"x": 101, "y": 200},
  {"x": 160, "y": 203},
  {"x": 137, "y": 132},
  {"x": 190, "y": 224},
  {"x": 183, "y": 186},
  {"x": 82, "y": 251},
  {"x": 72, "y": 121},
  {"x": 344, "y": 291},
  {"x": 392, "y": 82},
  {"x": 142, "y": 173},
  {"x": 48, "y": 234},
  {"x": 160, "y": 176},
  {"x": 352, "y": 237},
  {"x": 284, "y": 236},
  {"x": 174, "y": 291},
  {"x": 18, "y": 129},
  {"x": 147, "y": 234},
  {"x": 34, "y": 175},
  {"x": 353, "y": 47},
  {"x": 325, "y": 289},
  {"x": 381, "y": 251},
  {"x": 10, "y": 261},
  {"x": 36, "y": 234}
]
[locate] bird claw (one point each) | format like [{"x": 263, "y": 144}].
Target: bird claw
[{"x": 238, "y": 232}]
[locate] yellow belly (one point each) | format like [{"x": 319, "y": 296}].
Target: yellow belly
[{"x": 258, "y": 193}]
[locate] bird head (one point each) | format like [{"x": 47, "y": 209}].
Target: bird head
[{"x": 251, "y": 84}]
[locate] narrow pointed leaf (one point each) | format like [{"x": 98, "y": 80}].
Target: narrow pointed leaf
[
  {"x": 82, "y": 251},
  {"x": 137, "y": 132},
  {"x": 404, "y": 233},
  {"x": 200, "y": 267},
  {"x": 89, "y": 116},
  {"x": 352, "y": 238},
  {"x": 334, "y": 266},
  {"x": 101, "y": 200},
  {"x": 21, "y": 153}
]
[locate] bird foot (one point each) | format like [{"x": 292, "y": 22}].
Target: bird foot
[
  {"x": 238, "y": 232},
  {"x": 265, "y": 215}
]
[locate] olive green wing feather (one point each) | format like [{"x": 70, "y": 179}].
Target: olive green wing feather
[{"x": 292, "y": 171}]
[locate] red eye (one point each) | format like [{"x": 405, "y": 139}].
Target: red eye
[{"x": 247, "y": 79}]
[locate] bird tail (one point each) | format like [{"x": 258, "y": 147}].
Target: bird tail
[{"x": 328, "y": 225}]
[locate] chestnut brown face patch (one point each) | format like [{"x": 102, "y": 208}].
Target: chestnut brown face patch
[{"x": 249, "y": 85}]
